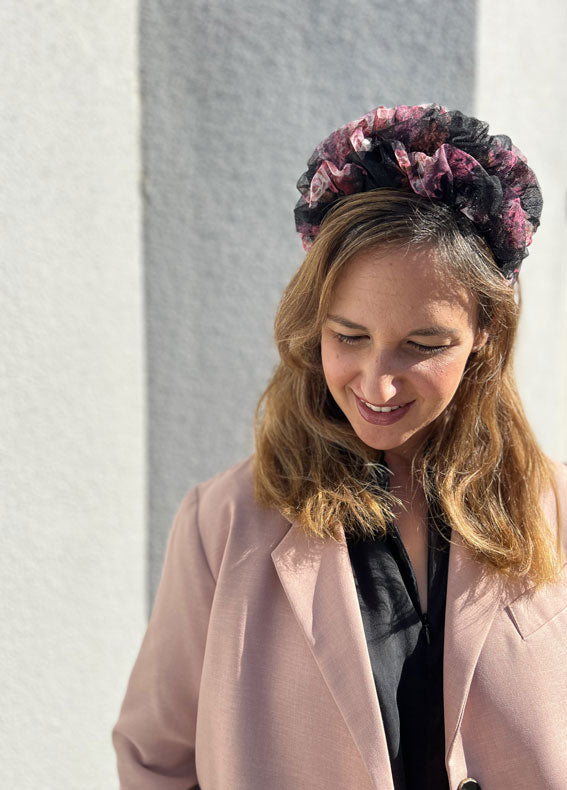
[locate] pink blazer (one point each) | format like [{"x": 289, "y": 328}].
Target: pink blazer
[{"x": 254, "y": 672}]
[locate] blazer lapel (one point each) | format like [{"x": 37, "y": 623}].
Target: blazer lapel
[
  {"x": 317, "y": 578},
  {"x": 473, "y": 598},
  {"x": 318, "y": 581}
]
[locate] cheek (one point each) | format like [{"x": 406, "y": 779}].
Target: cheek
[
  {"x": 334, "y": 364},
  {"x": 339, "y": 368},
  {"x": 441, "y": 379}
]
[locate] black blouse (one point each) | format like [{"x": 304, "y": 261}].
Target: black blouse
[{"x": 406, "y": 651}]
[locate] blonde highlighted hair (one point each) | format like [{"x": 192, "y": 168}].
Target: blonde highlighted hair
[{"x": 481, "y": 465}]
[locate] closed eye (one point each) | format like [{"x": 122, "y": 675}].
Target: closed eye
[
  {"x": 423, "y": 349},
  {"x": 420, "y": 348},
  {"x": 349, "y": 339}
]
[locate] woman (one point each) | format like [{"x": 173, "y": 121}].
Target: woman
[{"x": 377, "y": 599}]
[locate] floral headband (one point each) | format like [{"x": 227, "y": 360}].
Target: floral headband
[{"x": 438, "y": 154}]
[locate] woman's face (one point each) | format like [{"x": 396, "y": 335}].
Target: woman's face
[{"x": 395, "y": 344}]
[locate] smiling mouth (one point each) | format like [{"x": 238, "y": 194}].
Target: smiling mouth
[
  {"x": 382, "y": 415},
  {"x": 383, "y": 409}
]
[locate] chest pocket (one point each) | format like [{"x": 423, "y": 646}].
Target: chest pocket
[{"x": 534, "y": 609}]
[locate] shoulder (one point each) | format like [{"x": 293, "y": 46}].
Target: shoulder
[
  {"x": 224, "y": 512},
  {"x": 559, "y": 471},
  {"x": 232, "y": 484},
  {"x": 555, "y": 501}
]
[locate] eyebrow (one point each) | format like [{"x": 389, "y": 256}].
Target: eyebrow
[
  {"x": 338, "y": 319},
  {"x": 428, "y": 331}
]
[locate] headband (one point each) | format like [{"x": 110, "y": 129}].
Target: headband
[{"x": 438, "y": 154}]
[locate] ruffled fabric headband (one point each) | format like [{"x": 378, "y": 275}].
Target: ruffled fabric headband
[{"x": 436, "y": 153}]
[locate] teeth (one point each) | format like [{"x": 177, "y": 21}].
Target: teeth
[{"x": 381, "y": 408}]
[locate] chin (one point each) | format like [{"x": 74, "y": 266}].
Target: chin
[
  {"x": 407, "y": 440},
  {"x": 383, "y": 442}
]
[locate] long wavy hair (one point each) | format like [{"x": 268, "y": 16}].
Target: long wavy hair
[{"x": 481, "y": 467}]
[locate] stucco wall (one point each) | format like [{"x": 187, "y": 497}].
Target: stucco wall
[
  {"x": 236, "y": 96},
  {"x": 72, "y": 389},
  {"x": 134, "y": 348},
  {"x": 520, "y": 88}
]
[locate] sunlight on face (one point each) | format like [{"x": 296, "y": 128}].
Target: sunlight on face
[{"x": 394, "y": 346}]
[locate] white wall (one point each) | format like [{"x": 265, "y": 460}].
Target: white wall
[
  {"x": 72, "y": 383},
  {"x": 236, "y": 95},
  {"x": 522, "y": 91}
]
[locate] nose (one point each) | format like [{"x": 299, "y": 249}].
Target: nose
[{"x": 380, "y": 380}]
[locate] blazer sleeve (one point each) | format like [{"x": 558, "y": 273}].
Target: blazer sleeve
[{"x": 154, "y": 736}]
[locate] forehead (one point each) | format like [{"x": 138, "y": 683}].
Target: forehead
[{"x": 401, "y": 286}]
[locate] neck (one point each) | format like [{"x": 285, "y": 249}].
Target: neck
[{"x": 398, "y": 463}]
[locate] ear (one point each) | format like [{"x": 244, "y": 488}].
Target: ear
[{"x": 480, "y": 340}]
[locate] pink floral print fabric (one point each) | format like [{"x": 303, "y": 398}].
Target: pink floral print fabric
[{"x": 438, "y": 154}]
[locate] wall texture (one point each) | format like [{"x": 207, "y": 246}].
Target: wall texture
[
  {"x": 521, "y": 90},
  {"x": 72, "y": 388},
  {"x": 144, "y": 255},
  {"x": 235, "y": 98}
]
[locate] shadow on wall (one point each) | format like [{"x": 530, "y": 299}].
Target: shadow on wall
[{"x": 235, "y": 97}]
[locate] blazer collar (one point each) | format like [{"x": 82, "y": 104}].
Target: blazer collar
[
  {"x": 473, "y": 598},
  {"x": 318, "y": 581}
]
